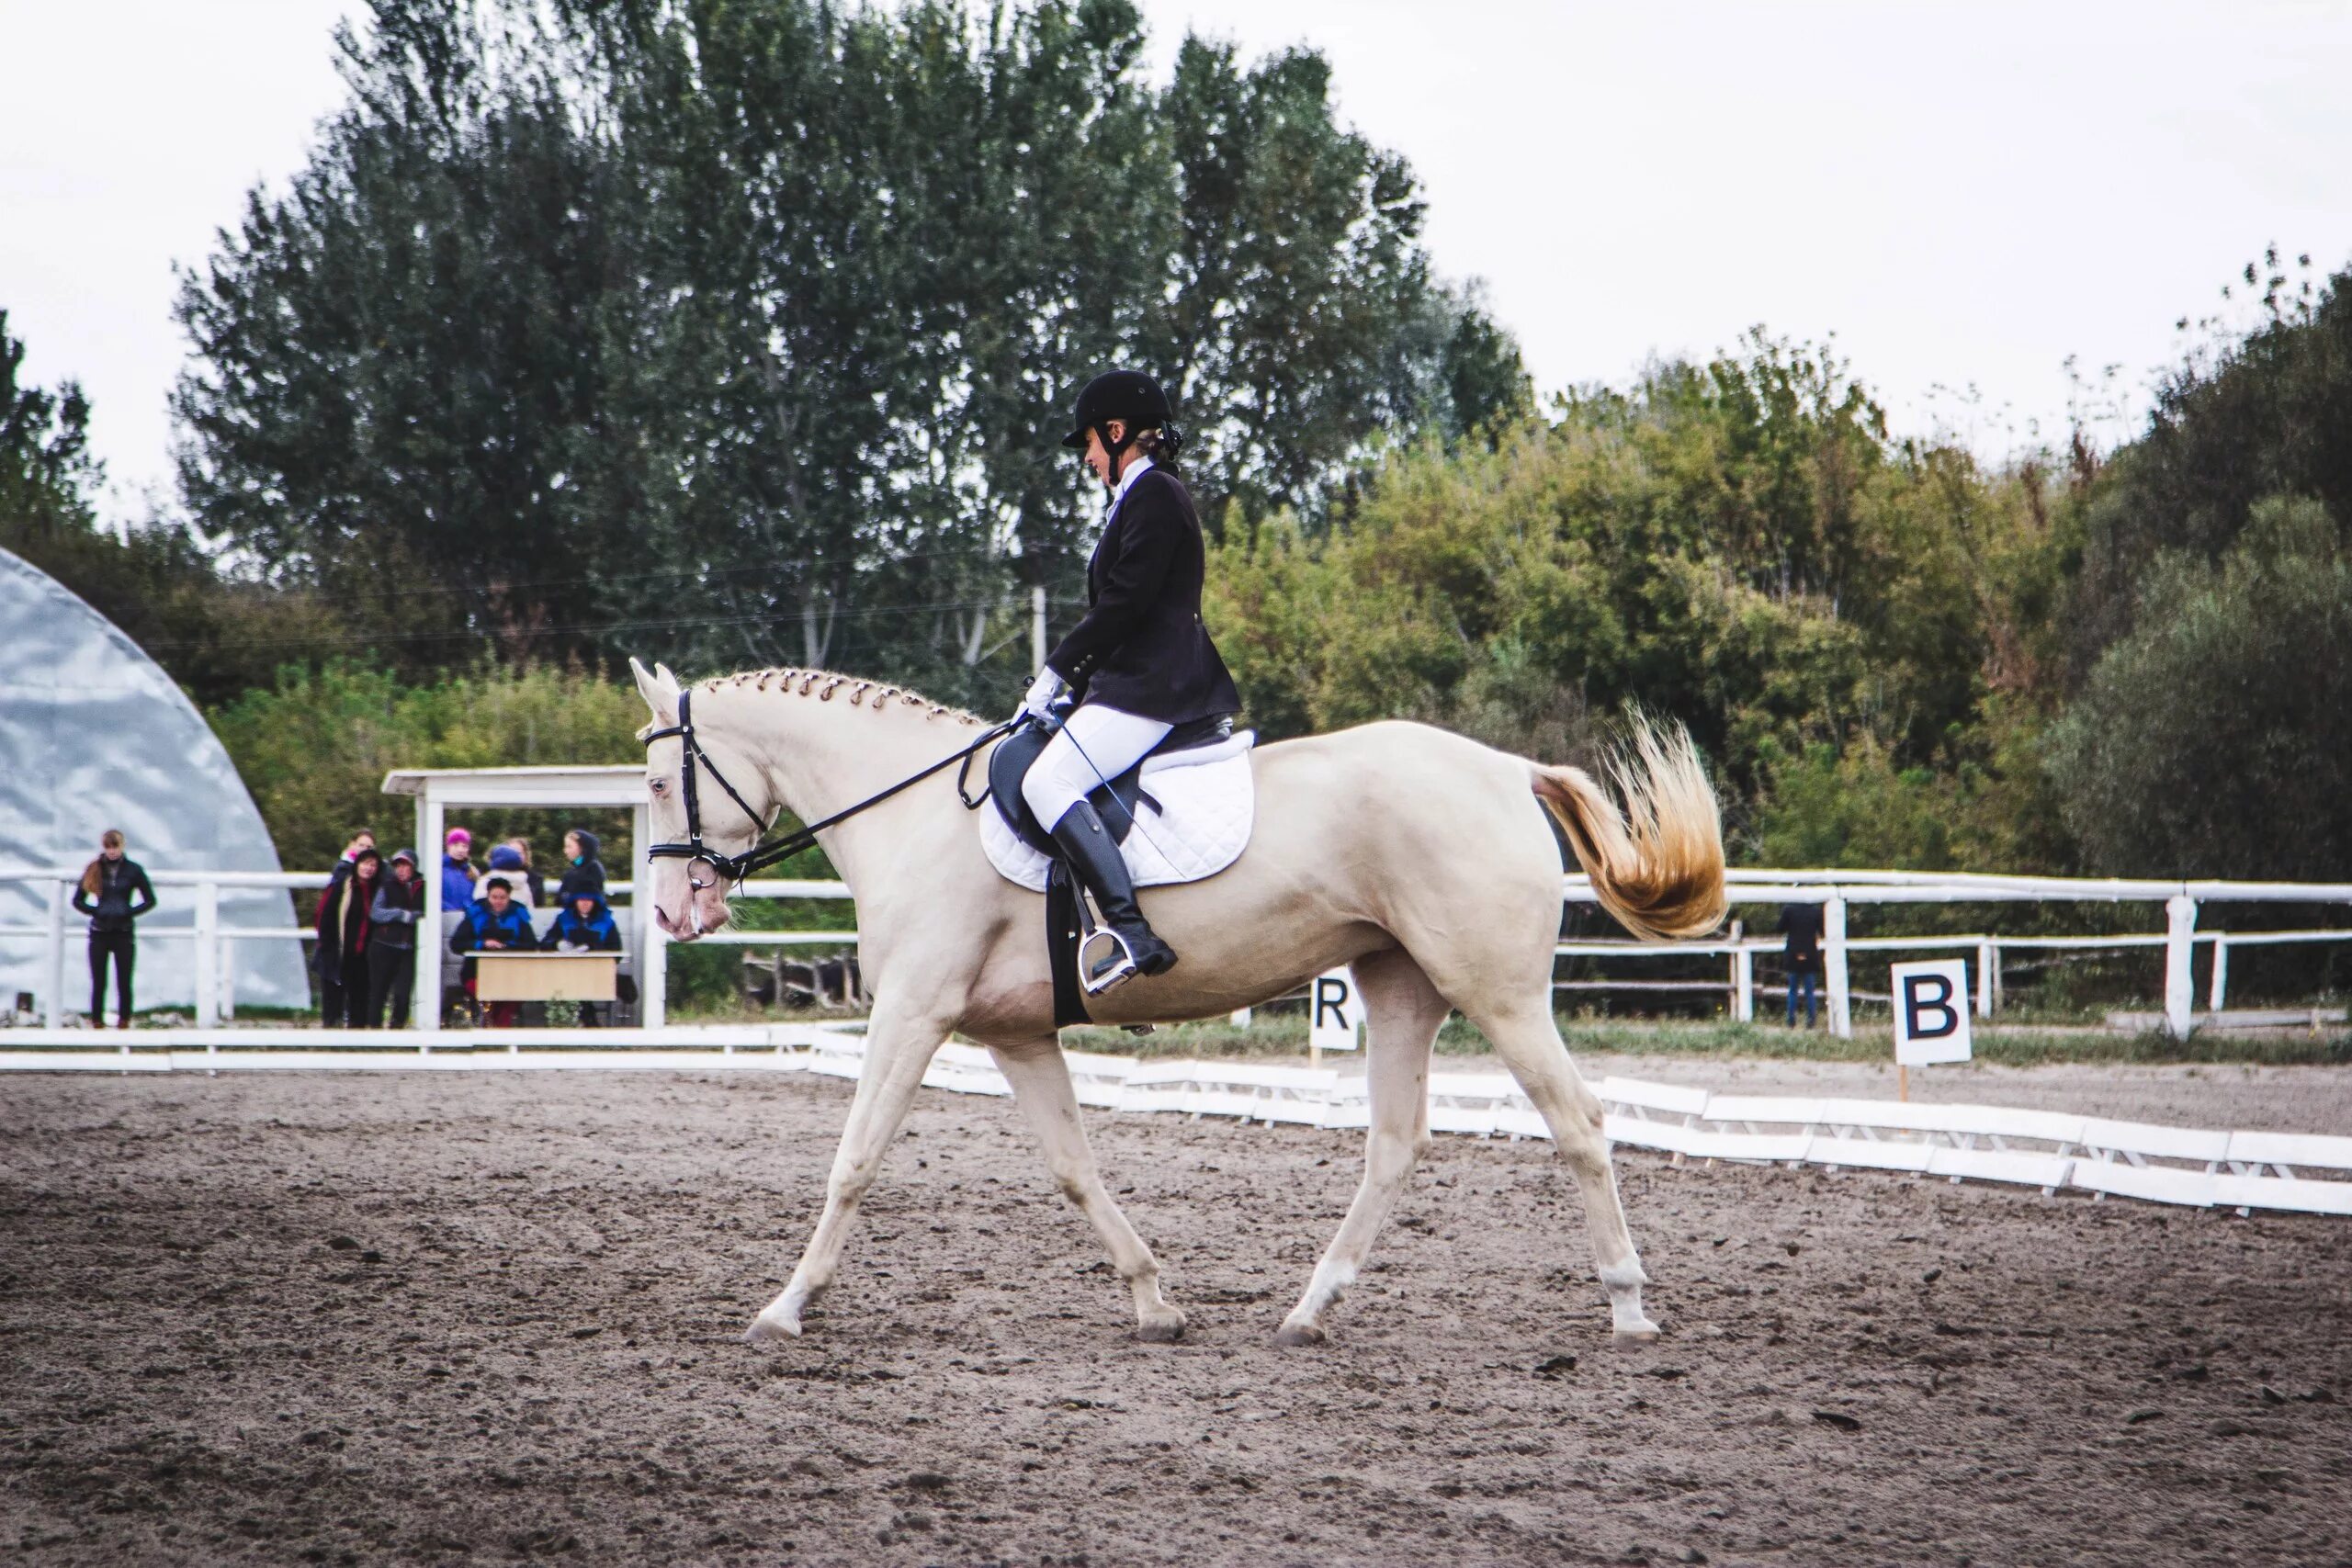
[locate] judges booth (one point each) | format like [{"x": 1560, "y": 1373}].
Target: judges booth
[{"x": 440, "y": 793}]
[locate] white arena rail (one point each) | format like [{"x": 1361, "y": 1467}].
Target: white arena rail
[
  {"x": 2304, "y": 1173},
  {"x": 1836, "y": 890}
]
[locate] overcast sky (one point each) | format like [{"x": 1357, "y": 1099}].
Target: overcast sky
[{"x": 1965, "y": 195}]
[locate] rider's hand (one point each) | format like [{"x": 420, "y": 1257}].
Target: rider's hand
[{"x": 1042, "y": 693}]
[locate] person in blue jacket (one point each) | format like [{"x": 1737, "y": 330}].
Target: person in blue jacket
[
  {"x": 456, "y": 870},
  {"x": 584, "y": 924},
  {"x": 495, "y": 924}
]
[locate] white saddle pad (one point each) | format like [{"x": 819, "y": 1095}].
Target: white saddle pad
[{"x": 1207, "y": 801}]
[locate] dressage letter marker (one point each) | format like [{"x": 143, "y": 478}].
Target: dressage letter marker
[
  {"x": 1930, "y": 1015},
  {"x": 1332, "y": 1012}
]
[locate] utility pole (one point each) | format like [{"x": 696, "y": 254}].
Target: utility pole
[{"x": 1037, "y": 628}]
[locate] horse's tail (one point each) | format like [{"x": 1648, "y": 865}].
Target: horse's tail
[{"x": 1657, "y": 866}]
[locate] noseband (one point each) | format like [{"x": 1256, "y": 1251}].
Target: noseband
[{"x": 735, "y": 868}]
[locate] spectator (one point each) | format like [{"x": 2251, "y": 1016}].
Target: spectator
[
  {"x": 496, "y": 923},
  {"x": 532, "y": 880},
  {"x": 507, "y": 861},
  {"x": 341, "y": 958},
  {"x": 582, "y": 872},
  {"x": 361, "y": 839},
  {"x": 584, "y": 924},
  {"x": 1802, "y": 923},
  {"x": 110, "y": 884},
  {"x": 456, "y": 870},
  {"x": 392, "y": 947}
]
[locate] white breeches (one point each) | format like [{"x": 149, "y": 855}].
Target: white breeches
[{"x": 1096, "y": 746}]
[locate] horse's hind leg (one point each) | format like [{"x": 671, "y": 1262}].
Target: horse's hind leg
[
  {"x": 1404, "y": 1011},
  {"x": 1528, "y": 1040},
  {"x": 897, "y": 1051},
  {"x": 1041, "y": 1087}
]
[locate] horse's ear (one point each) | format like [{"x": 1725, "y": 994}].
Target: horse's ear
[{"x": 659, "y": 690}]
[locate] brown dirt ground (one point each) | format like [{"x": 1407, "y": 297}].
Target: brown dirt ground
[{"x": 490, "y": 1317}]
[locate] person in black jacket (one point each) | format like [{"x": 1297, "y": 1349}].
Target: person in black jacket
[
  {"x": 344, "y": 923},
  {"x": 1139, "y": 663},
  {"x": 391, "y": 941},
  {"x": 114, "y": 892},
  {"x": 582, "y": 872},
  {"x": 1803, "y": 925}
]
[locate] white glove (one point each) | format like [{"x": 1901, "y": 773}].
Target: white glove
[{"x": 1042, "y": 693}]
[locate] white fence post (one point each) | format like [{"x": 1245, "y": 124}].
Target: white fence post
[
  {"x": 1241, "y": 1019},
  {"x": 432, "y": 942},
  {"x": 1985, "y": 962},
  {"x": 1743, "y": 984},
  {"x": 53, "y": 958},
  {"x": 2220, "y": 972},
  {"x": 2180, "y": 981},
  {"x": 208, "y": 955},
  {"x": 1833, "y": 961}
]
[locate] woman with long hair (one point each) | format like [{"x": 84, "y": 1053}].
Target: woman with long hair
[
  {"x": 114, "y": 892},
  {"x": 344, "y": 922}
]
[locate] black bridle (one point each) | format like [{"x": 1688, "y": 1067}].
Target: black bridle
[{"x": 735, "y": 868}]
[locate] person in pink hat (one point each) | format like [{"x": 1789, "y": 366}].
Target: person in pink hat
[{"x": 456, "y": 869}]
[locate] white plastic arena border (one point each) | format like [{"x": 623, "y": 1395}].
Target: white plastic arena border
[{"x": 2305, "y": 1173}]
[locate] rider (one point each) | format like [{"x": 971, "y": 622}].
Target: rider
[{"x": 1140, "y": 662}]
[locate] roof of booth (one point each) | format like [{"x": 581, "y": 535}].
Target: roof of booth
[{"x": 620, "y": 784}]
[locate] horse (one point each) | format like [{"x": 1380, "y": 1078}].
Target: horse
[{"x": 1421, "y": 860}]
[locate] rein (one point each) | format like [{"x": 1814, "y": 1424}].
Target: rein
[{"x": 735, "y": 868}]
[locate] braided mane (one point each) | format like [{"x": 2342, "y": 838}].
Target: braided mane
[{"x": 825, "y": 684}]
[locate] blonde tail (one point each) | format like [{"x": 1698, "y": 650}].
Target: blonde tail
[{"x": 1658, "y": 867}]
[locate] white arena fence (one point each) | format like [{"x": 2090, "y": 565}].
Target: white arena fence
[
  {"x": 2050, "y": 1150},
  {"x": 1838, "y": 891}
]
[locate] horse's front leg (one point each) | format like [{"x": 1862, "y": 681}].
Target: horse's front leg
[
  {"x": 1041, "y": 1087},
  {"x": 897, "y": 1050}
]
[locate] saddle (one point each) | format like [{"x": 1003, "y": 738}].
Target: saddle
[
  {"x": 1069, "y": 923},
  {"x": 1114, "y": 802}
]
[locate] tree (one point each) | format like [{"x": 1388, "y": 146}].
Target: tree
[
  {"x": 2215, "y": 739},
  {"x": 743, "y": 334}
]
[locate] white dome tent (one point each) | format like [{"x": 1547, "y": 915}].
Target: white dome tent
[{"x": 98, "y": 736}]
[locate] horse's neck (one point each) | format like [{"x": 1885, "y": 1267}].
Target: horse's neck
[{"x": 823, "y": 757}]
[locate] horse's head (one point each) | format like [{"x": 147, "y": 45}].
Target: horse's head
[{"x": 692, "y": 806}]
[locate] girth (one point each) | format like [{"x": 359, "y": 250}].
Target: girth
[{"x": 1115, "y": 802}]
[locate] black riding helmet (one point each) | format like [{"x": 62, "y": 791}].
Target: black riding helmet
[{"x": 1129, "y": 396}]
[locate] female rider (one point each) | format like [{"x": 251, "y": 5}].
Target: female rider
[{"x": 1140, "y": 662}]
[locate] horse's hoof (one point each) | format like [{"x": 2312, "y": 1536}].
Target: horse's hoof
[
  {"x": 1643, "y": 1332},
  {"x": 1164, "y": 1330},
  {"x": 765, "y": 1330},
  {"x": 1295, "y": 1334}
]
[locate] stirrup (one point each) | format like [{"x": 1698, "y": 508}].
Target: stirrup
[{"x": 1116, "y": 968}]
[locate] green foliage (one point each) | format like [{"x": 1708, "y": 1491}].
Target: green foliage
[
  {"x": 2259, "y": 413},
  {"x": 2215, "y": 739},
  {"x": 314, "y": 749}
]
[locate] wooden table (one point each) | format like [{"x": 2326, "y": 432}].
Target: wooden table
[{"x": 545, "y": 977}]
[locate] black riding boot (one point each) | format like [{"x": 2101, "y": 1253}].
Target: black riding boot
[{"x": 1087, "y": 845}]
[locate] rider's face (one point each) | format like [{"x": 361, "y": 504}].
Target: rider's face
[{"x": 1099, "y": 460}]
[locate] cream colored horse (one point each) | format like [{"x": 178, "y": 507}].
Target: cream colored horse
[{"x": 1423, "y": 860}]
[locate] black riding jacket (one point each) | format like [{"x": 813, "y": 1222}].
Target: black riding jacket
[{"x": 1142, "y": 647}]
